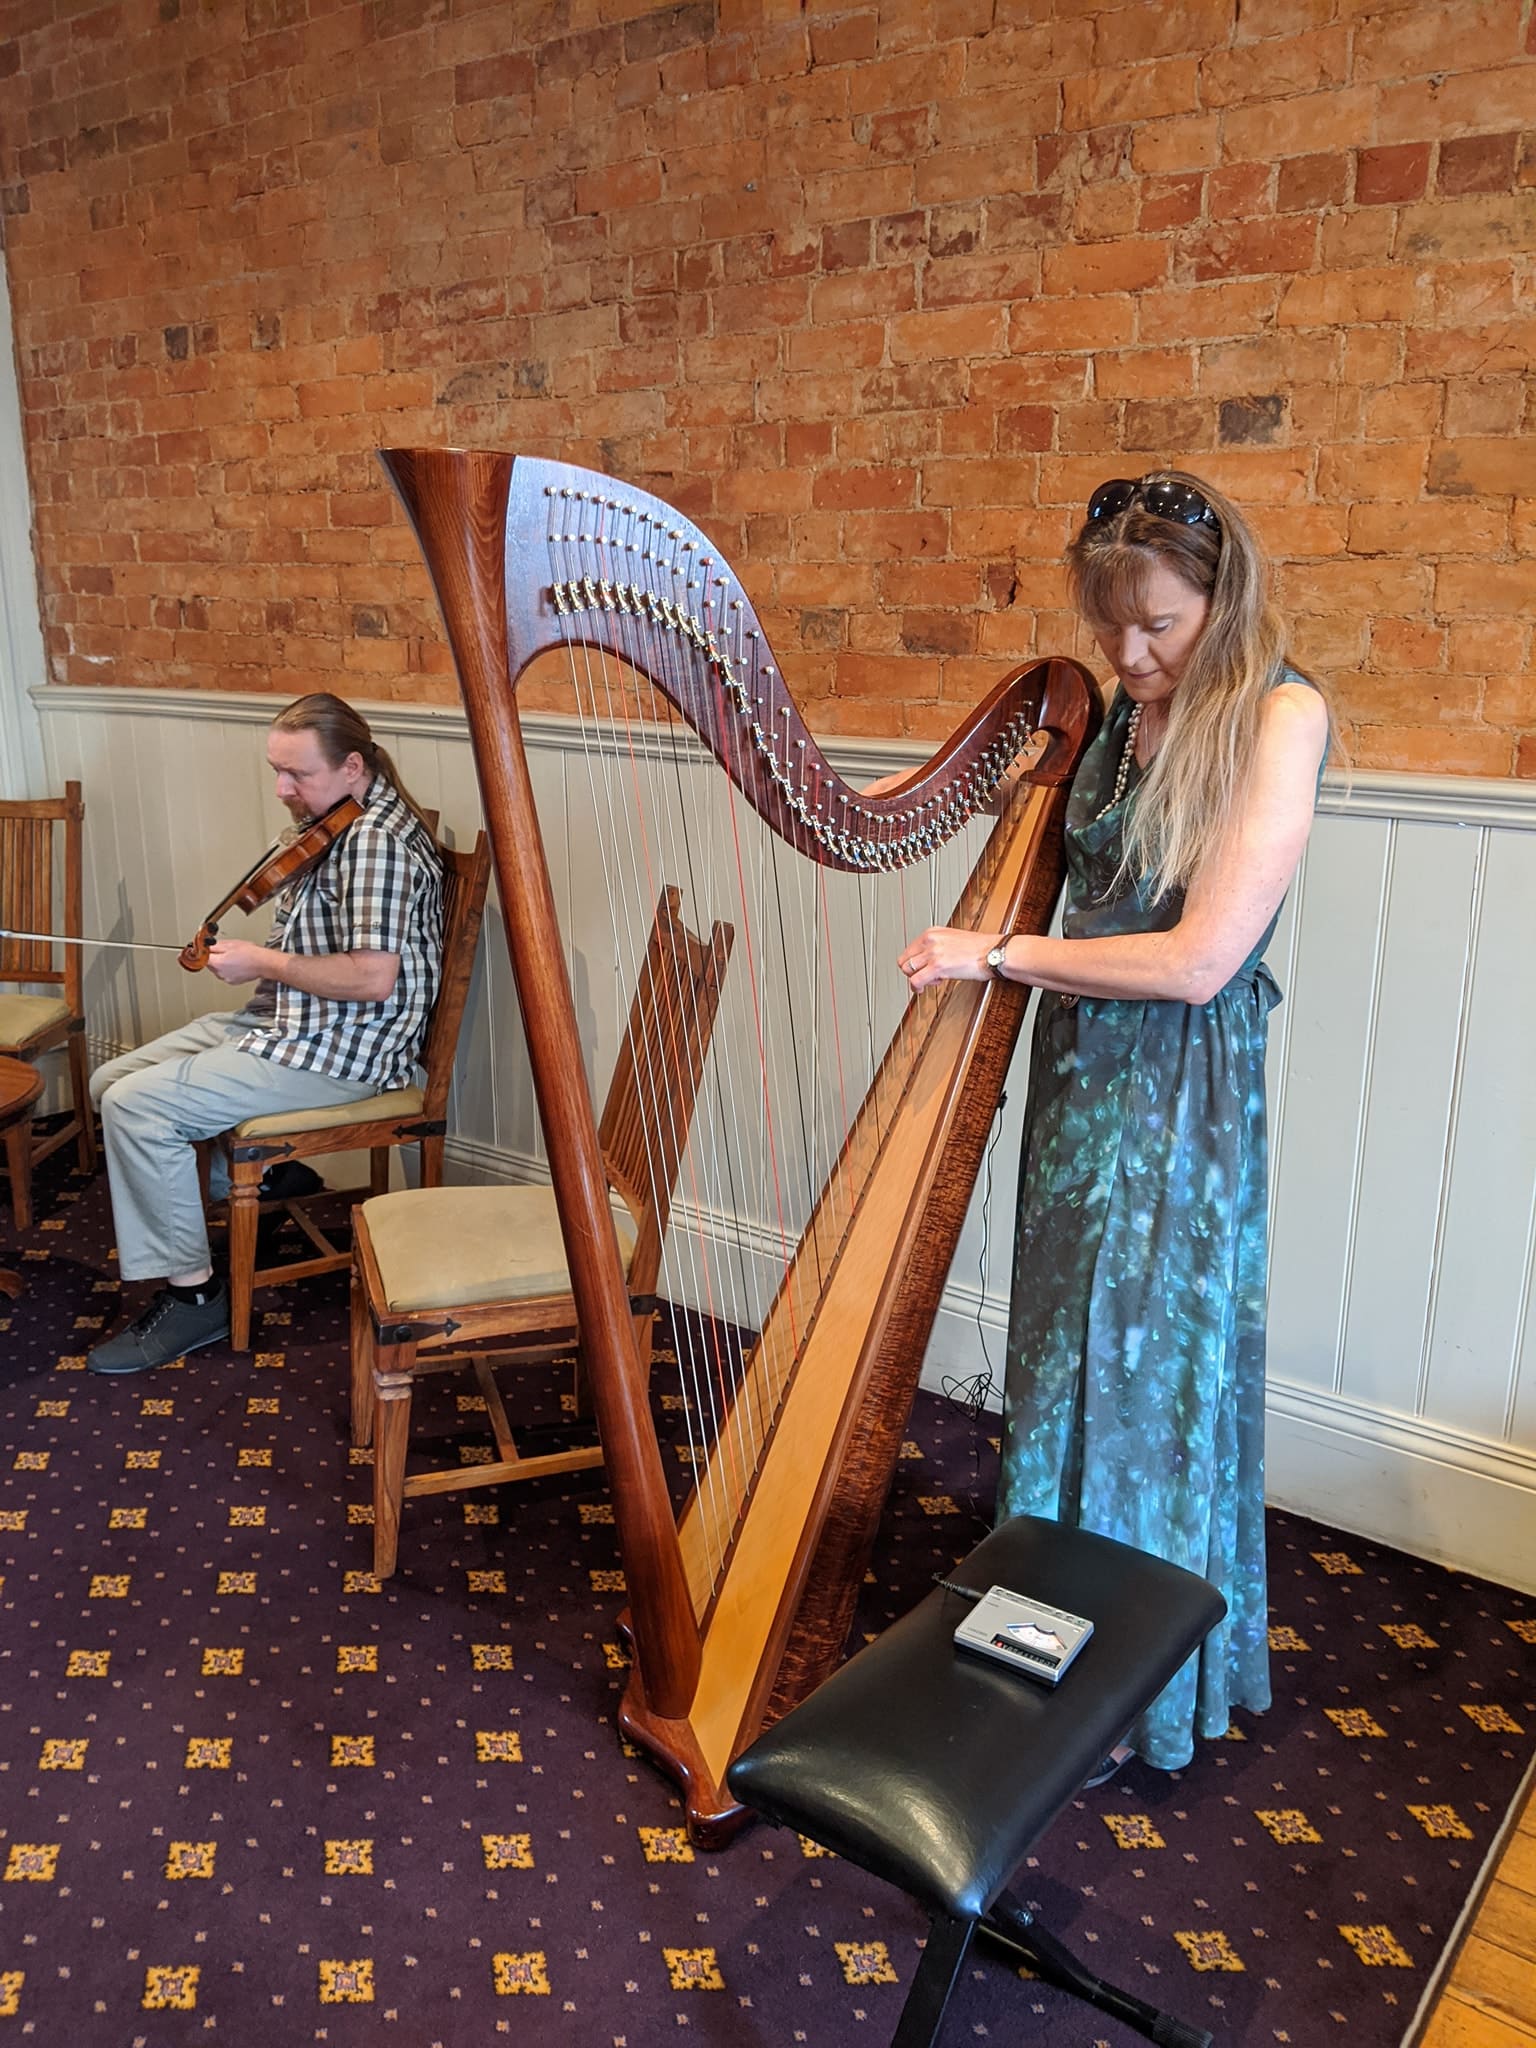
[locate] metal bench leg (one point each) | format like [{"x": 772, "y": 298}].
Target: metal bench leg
[
  {"x": 921, "y": 2016},
  {"x": 1012, "y": 1926}
]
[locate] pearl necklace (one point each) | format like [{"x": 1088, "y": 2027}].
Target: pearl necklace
[{"x": 1122, "y": 773}]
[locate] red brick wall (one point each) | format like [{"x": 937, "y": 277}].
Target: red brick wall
[{"x": 876, "y": 289}]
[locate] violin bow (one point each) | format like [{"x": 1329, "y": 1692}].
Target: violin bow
[{"x": 63, "y": 939}]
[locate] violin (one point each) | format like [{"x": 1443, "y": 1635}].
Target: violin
[{"x": 287, "y": 862}]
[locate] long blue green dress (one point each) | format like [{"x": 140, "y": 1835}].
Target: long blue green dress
[{"x": 1134, "y": 1396}]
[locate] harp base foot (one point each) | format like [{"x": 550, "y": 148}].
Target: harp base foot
[{"x": 713, "y": 1815}]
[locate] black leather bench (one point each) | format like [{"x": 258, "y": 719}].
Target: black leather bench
[{"x": 937, "y": 1769}]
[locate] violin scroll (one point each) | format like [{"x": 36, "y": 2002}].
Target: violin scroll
[{"x": 194, "y": 954}]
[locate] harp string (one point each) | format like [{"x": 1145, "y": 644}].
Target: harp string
[
  {"x": 735, "y": 1360},
  {"x": 631, "y": 848}
]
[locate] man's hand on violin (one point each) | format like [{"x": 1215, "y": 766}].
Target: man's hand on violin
[
  {"x": 237, "y": 960},
  {"x": 943, "y": 954}
]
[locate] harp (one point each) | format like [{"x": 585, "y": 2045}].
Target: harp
[{"x": 740, "y": 1595}]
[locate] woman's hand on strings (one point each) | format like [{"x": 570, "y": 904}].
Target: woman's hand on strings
[{"x": 943, "y": 954}]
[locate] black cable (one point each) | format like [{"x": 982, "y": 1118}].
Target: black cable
[{"x": 970, "y": 1395}]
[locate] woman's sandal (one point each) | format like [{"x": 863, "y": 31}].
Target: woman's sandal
[{"x": 1119, "y": 1755}]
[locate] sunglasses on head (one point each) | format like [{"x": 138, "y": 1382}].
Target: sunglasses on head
[{"x": 1163, "y": 497}]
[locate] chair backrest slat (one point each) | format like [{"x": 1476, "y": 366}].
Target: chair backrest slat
[
  {"x": 28, "y": 871},
  {"x": 649, "y": 1110},
  {"x": 466, "y": 877}
]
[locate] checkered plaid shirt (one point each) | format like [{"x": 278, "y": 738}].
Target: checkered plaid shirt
[{"x": 378, "y": 890}]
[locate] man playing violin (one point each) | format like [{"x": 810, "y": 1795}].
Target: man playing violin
[{"x": 339, "y": 1011}]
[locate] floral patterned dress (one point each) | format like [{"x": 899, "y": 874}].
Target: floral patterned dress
[{"x": 1134, "y": 1396}]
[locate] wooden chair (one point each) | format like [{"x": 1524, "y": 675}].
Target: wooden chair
[
  {"x": 31, "y": 1025},
  {"x": 401, "y": 1116},
  {"x": 433, "y": 1265},
  {"x": 20, "y": 1086}
]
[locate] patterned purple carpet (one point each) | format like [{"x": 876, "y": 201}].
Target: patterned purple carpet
[{"x": 243, "y": 1793}]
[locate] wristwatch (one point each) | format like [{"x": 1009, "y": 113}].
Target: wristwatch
[{"x": 997, "y": 959}]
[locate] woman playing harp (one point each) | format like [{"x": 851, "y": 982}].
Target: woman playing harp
[
  {"x": 837, "y": 1127},
  {"x": 1134, "y": 1402}
]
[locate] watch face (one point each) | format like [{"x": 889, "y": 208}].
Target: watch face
[{"x": 996, "y": 957}]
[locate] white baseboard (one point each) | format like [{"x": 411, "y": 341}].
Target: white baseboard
[{"x": 1457, "y": 1501}]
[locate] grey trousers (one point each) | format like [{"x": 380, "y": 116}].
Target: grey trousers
[{"x": 192, "y": 1083}]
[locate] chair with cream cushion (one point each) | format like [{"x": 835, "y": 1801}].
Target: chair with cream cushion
[
  {"x": 32, "y": 1024},
  {"x": 401, "y": 1116},
  {"x": 440, "y": 1267}
]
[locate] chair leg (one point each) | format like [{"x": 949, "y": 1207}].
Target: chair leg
[
  {"x": 18, "y": 1155},
  {"x": 923, "y": 2013},
  {"x": 432, "y": 1162},
  {"x": 363, "y": 1363},
  {"x": 244, "y": 1213},
  {"x": 645, "y": 1341},
  {"x": 391, "y": 1434},
  {"x": 378, "y": 1169},
  {"x": 80, "y": 1084},
  {"x": 1013, "y": 1927}
]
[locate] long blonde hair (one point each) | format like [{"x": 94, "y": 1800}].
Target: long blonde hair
[
  {"x": 1186, "y": 803},
  {"x": 343, "y": 730}
]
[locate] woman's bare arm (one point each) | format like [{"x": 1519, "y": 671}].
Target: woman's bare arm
[{"x": 1226, "y": 909}]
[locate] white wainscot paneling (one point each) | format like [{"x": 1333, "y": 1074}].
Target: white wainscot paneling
[
  {"x": 1422, "y": 961},
  {"x": 1403, "y": 1110},
  {"x": 1401, "y": 1396},
  {"x": 1479, "y": 1330}
]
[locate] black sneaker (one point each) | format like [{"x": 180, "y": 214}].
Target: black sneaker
[
  {"x": 288, "y": 1181},
  {"x": 169, "y": 1328}
]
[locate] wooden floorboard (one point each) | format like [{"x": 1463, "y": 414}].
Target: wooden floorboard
[{"x": 1489, "y": 2000}]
